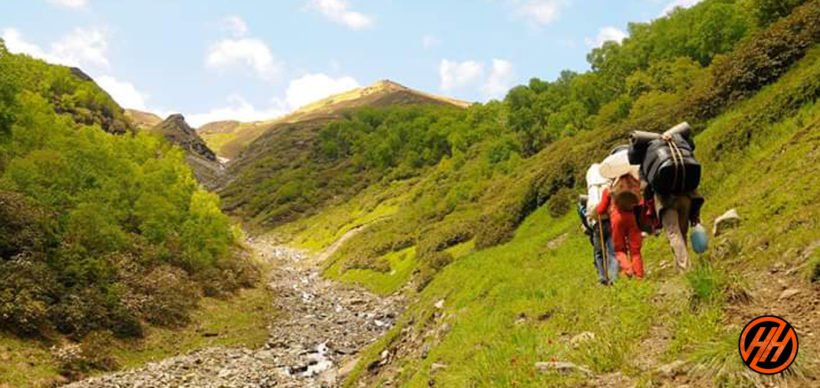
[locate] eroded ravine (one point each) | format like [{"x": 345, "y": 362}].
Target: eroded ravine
[{"x": 321, "y": 328}]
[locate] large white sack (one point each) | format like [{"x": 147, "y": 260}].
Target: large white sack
[
  {"x": 617, "y": 164},
  {"x": 595, "y": 189}
]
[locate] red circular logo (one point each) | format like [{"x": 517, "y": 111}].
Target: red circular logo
[{"x": 768, "y": 344}]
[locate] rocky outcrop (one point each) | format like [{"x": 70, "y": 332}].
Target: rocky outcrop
[
  {"x": 176, "y": 130},
  {"x": 203, "y": 161}
]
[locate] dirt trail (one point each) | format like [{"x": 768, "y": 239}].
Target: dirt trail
[{"x": 315, "y": 342}]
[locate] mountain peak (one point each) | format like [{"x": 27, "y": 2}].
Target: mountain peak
[
  {"x": 387, "y": 84},
  {"x": 176, "y": 130}
]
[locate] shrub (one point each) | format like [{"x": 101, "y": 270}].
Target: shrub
[
  {"x": 561, "y": 202},
  {"x": 443, "y": 236},
  {"x": 228, "y": 276},
  {"x": 82, "y": 310},
  {"x": 23, "y": 226},
  {"x": 94, "y": 353},
  {"x": 167, "y": 296},
  {"x": 27, "y": 289}
]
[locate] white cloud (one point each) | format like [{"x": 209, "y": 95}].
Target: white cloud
[
  {"x": 236, "y": 26},
  {"x": 17, "y": 44},
  {"x": 69, "y": 3},
  {"x": 243, "y": 52},
  {"x": 678, "y": 3},
  {"x": 606, "y": 34},
  {"x": 539, "y": 12},
  {"x": 338, "y": 11},
  {"x": 430, "y": 41},
  {"x": 470, "y": 76},
  {"x": 313, "y": 87},
  {"x": 500, "y": 79},
  {"x": 82, "y": 47},
  {"x": 458, "y": 75},
  {"x": 300, "y": 91},
  {"x": 125, "y": 93}
]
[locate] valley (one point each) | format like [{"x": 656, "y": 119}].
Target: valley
[
  {"x": 387, "y": 236},
  {"x": 315, "y": 341}
]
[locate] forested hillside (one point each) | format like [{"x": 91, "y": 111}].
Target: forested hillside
[
  {"x": 417, "y": 240},
  {"x": 502, "y": 160},
  {"x": 102, "y": 231},
  {"x": 523, "y": 159}
]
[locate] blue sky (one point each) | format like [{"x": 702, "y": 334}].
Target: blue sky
[{"x": 251, "y": 60}]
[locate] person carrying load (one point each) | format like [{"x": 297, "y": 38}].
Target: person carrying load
[
  {"x": 598, "y": 227},
  {"x": 668, "y": 164},
  {"x": 620, "y": 201}
]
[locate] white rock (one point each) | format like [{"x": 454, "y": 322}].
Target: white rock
[{"x": 728, "y": 220}]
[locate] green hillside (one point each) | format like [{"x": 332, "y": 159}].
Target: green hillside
[
  {"x": 104, "y": 233},
  {"x": 488, "y": 227},
  {"x": 458, "y": 218},
  {"x": 521, "y": 302},
  {"x": 500, "y": 164}
]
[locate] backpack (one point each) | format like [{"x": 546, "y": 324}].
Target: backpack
[
  {"x": 670, "y": 166},
  {"x": 626, "y": 192},
  {"x": 667, "y": 161}
]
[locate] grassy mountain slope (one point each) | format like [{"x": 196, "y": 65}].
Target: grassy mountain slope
[
  {"x": 330, "y": 150},
  {"x": 230, "y": 138},
  {"x": 142, "y": 119},
  {"x": 499, "y": 209},
  {"x": 483, "y": 191},
  {"x": 519, "y": 303}
]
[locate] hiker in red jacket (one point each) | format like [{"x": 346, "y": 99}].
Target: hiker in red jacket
[{"x": 626, "y": 235}]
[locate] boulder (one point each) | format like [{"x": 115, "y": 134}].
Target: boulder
[{"x": 728, "y": 220}]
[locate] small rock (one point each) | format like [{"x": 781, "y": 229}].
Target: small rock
[
  {"x": 728, "y": 220},
  {"x": 788, "y": 293},
  {"x": 437, "y": 366},
  {"x": 440, "y": 304},
  {"x": 561, "y": 367},
  {"x": 579, "y": 339}
]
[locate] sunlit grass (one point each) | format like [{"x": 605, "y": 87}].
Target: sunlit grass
[{"x": 402, "y": 264}]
